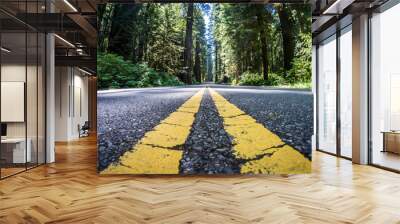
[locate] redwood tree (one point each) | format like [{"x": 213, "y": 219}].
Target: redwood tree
[{"x": 187, "y": 58}]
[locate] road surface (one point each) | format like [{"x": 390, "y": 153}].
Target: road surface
[{"x": 204, "y": 129}]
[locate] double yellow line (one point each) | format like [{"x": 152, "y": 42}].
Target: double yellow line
[
  {"x": 262, "y": 150},
  {"x": 160, "y": 150}
]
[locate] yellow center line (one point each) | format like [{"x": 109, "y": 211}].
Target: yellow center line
[
  {"x": 160, "y": 150},
  {"x": 263, "y": 150}
]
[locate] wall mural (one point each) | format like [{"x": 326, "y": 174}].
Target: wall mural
[{"x": 204, "y": 88}]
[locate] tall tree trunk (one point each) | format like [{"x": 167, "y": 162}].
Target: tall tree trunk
[
  {"x": 288, "y": 42},
  {"x": 105, "y": 21},
  {"x": 197, "y": 66},
  {"x": 239, "y": 67},
  {"x": 120, "y": 37},
  {"x": 140, "y": 49},
  {"x": 209, "y": 65},
  {"x": 141, "y": 52},
  {"x": 134, "y": 51},
  {"x": 220, "y": 67},
  {"x": 187, "y": 60},
  {"x": 216, "y": 61},
  {"x": 263, "y": 40},
  {"x": 272, "y": 58}
]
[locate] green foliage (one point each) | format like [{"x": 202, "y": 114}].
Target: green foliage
[
  {"x": 152, "y": 34},
  {"x": 254, "y": 79},
  {"x": 241, "y": 41},
  {"x": 251, "y": 79},
  {"x": 301, "y": 70},
  {"x": 151, "y": 78},
  {"x": 274, "y": 79},
  {"x": 298, "y": 85},
  {"x": 235, "y": 82},
  {"x": 237, "y": 30},
  {"x": 115, "y": 72}
]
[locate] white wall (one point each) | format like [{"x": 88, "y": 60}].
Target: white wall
[
  {"x": 71, "y": 102},
  {"x": 80, "y": 110},
  {"x": 33, "y": 127},
  {"x": 62, "y": 82},
  {"x": 16, "y": 73},
  {"x": 9, "y": 73}
]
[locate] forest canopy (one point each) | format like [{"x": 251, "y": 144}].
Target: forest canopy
[{"x": 160, "y": 44}]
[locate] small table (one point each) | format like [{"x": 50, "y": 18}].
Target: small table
[
  {"x": 18, "y": 150},
  {"x": 391, "y": 141}
]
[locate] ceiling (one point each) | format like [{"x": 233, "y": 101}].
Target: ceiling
[{"x": 332, "y": 14}]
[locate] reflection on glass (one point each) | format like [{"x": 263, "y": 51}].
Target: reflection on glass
[
  {"x": 22, "y": 91},
  {"x": 385, "y": 83},
  {"x": 346, "y": 92},
  {"x": 327, "y": 95},
  {"x": 31, "y": 101},
  {"x": 394, "y": 102},
  {"x": 41, "y": 99},
  {"x": 15, "y": 151}
]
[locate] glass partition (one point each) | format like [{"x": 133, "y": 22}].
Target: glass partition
[
  {"x": 41, "y": 96},
  {"x": 346, "y": 92},
  {"x": 32, "y": 98},
  {"x": 385, "y": 89},
  {"x": 14, "y": 145},
  {"x": 327, "y": 95},
  {"x": 22, "y": 88}
]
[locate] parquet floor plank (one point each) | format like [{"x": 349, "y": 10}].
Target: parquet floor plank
[{"x": 71, "y": 191}]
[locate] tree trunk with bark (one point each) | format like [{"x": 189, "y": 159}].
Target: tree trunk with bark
[
  {"x": 216, "y": 62},
  {"x": 120, "y": 38},
  {"x": 288, "y": 42},
  {"x": 187, "y": 60},
  {"x": 105, "y": 21},
  {"x": 263, "y": 40},
  {"x": 197, "y": 62},
  {"x": 143, "y": 36}
]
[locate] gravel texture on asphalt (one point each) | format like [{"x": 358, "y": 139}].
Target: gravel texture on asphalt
[
  {"x": 208, "y": 149},
  {"x": 289, "y": 114},
  {"x": 124, "y": 117}
]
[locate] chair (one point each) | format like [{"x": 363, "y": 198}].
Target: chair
[{"x": 84, "y": 130}]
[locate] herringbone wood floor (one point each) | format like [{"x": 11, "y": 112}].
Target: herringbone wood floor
[{"x": 70, "y": 191}]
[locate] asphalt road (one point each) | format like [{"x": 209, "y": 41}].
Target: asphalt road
[{"x": 125, "y": 116}]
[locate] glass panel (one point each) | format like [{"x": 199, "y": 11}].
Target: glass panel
[
  {"x": 385, "y": 114},
  {"x": 327, "y": 95},
  {"x": 41, "y": 99},
  {"x": 2, "y": 161},
  {"x": 32, "y": 88},
  {"x": 31, "y": 98},
  {"x": 23, "y": 88},
  {"x": 346, "y": 92},
  {"x": 13, "y": 87}
]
